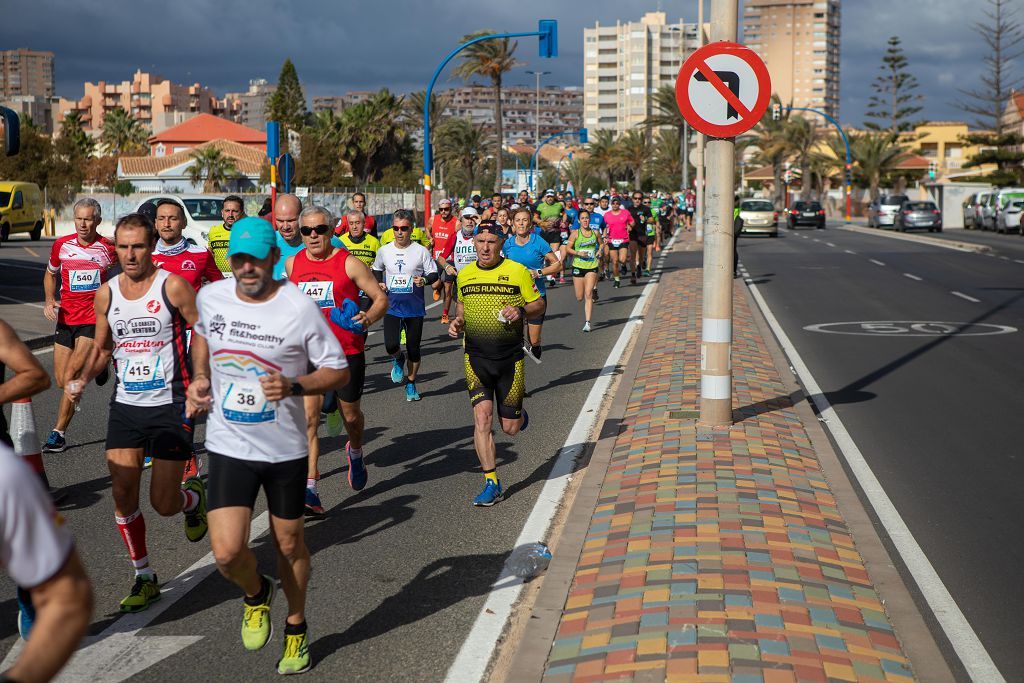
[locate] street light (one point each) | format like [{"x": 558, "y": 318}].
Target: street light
[
  {"x": 536, "y": 101},
  {"x": 849, "y": 157},
  {"x": 547, "y": 31},
  {"x": 582, "y": 133},
  {"x": 558, "y": 168}
]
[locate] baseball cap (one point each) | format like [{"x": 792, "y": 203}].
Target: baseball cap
[
  {"x": 549, "y": 192},
  {"x": 469, "y": 211},
  {"x": 444, "y": 202},
  {"x": 253, "y": 236},
  {"x": 490, "y": 227}
]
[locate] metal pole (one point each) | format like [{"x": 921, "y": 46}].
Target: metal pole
[
  {"x": 686, "y": 156},
  {"x": 698, "y": 213},
  {"x": 716, "y": 323},
  {"x": 536, "y": 102}
]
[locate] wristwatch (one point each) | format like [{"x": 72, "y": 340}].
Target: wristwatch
[{"x": 297, "y": 389}]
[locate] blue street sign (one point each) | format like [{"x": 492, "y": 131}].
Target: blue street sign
[
  {"x": 286, "y": 172},
  {"x": 273, "y": 140},
  {"x": 548, "y": 37}
]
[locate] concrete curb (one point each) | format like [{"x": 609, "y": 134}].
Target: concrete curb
[{"x": 921, "y": 239}]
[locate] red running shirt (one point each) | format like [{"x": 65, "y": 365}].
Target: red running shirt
[
  {"x": 192, "y": 262},
  {"x": 82, "y": 269},
  {"x": 328, "y": 284},
  {"x": 369, "y": 225},
  {"x": 440, "y": 231}
]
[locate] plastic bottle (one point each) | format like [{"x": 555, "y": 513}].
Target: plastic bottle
[{"x": 527, "y": 561}]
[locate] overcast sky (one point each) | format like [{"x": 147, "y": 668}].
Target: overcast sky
[{"x": 344, "y": 45}]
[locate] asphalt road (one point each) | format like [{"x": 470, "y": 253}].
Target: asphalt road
[
  {"x": 400, "y": 570},
  {"x": 936, "y": 416},
  {"x": 22, "y": 263}
]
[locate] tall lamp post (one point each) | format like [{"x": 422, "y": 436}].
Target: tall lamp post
[
  {"x": 547, "y": 31},
  {"x": 536, "y": 101},
  {"x": 582, "y": 133}
]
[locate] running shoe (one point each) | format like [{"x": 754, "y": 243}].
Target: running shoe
[
  {"x": 195, "y": 521},
  {"x": 445, "y": 320},
  {"x": 632, "y": 280},
  {"x": 647, "y": 272},
  {"x": 256, "y": 626},
  {"x": 489, "y": 496},
  {"x": 147, "y": 462},
  {"x": 55, "y": 443},
  {"x": 191, "y": 468},
  {"x": 561, "y": 279},
  {"x": 410, "y": 392},
  {"x": 595, "y": 297},
  {"x": 437, "y": 295},
  {"x": 102, "y": 378},
  {"x": 295, "y": 659},
  {"x": 586, "y": 326},
  {"x": 397, "y": 373},
  {"x": 144, "y": 593},
  {"x": 334, "y": 423},
  {"x": 402, "y": 338},
  {"x": 26, "y": 613},
  {"x": 357, "y": 474},
  {"x": 313, "y": 504},
  {"x": 618, "y": 283}
]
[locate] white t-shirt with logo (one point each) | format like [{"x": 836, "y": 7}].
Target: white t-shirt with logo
[{"x": 285, "y": 334}]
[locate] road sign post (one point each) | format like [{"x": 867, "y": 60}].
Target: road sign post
[{"x": 723, "y": 90}]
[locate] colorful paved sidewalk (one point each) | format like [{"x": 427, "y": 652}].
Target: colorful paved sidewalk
[{"x": 724, "y": 559}]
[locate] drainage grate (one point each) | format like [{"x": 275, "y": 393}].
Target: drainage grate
[{"x": 683, "y": 414}]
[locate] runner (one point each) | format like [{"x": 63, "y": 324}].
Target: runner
[
  {"x": 690, "y": 203},
  {"x": 619, "y": 222},
  {"x": 458, "y": 252},
  {"x": 584, "y": 245},
  {"x": 552, "y": 215},
  {"x": 596, "y": 223},
  {"x": 403, "y": 268},
  {"x": 141, "y": 317},
  {"x": 359, "y": 243},
  {"x": 256, "y": 326},
  {"x": 524, "y": 199},
  {"x": 531, "y": 251},
  {"x": 289, "y": 241},
  {"x": 358, "y": 204},
  {"x": 79, "y": 264},
  {"x": 653, "y": 234},
  {"x": 442, "y": 225},
  {"x": 603, "y": 205},
  {"x": 637, "y": 236},
  {"x": 495, "y": 296},
  {"x": 334, "y": 279},
  {"x": 419, "y": 235},
  {"x": 232, "y": 210},
  {"x": 503, "y": 217}
]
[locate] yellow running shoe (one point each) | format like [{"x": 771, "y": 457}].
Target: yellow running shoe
[
  {"x": 295, "y": 659},
  {"x": 195, "y": 521},
  {"x": 256, "y": 626},
  {"x": 144, "y": 593}
]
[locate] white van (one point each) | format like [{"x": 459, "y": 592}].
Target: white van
[
  {"x": 979, "y": 210},
  {"x": 998, "y": 202},
  {"x": 202, "y": 212}
]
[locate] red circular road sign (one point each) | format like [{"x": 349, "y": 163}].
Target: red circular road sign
[{"x": 723, "y": 89}]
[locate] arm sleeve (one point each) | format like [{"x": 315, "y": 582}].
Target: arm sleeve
[{"x": 33, "y": 543}]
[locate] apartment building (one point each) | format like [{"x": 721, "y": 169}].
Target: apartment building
[
  {"x": 339, "y": 103},
  {"x": 558, "y": 110},
  {"x": 625, "y": 63},
  {"x": 25, "y": 72},
  {"x": 799, "y": 42},
  {"x": 249, "y": 108}
]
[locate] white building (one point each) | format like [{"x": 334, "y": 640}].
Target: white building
[{"x": 625, "y": 63}]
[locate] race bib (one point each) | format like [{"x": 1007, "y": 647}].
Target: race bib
[
  {"x": 400, "y": 283},
  {"x": 244, "y": 403},
  {"x": 320, "y": 292},
  {"x": 585, "y": 254},
  {"x": 142, "y": 373},
  {"x": 84, "y": 280},
  {"x": 650, "y": 230},
  {"x": 616, "y": 244},
  {"x": 565, "y": 235}
]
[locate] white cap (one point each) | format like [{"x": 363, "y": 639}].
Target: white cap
[{"x": 469, "y": 211}]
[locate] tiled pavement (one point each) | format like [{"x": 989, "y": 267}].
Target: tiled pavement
[{"x": 725, "y": 559}]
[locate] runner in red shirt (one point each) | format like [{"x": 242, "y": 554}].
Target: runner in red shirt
[
  {"x": 178, "y": 255},
  {"x": 442, "y": 225},
  {"x": 79, "y": 264},
  {"x": 369, "y": 222}
]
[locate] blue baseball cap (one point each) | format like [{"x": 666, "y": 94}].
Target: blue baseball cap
[{"x": 253, "y": 236}]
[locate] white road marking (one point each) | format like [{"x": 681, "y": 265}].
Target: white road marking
[
  {"x": 34, "y": 254},
  {"x": 475, "y": 654},
  {"x": 40, "y": 352},
  {"x": 1017, "y": 260},
  {"x": 965, "y": 641},
  {"x": 850, "y": 252},
  {"x": 19, "y": 301},
  {"x": 830, "y": 244},
  {"x": 877, "y": 263},
  {"x": 968, "y": 298},
  {"x": 912, "y": 277}
]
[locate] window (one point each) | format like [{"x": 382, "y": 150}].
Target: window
[{"x": 18, "y": 201}]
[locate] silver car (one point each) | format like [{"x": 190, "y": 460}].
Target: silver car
[
  {"x": 888, "y": 207},
  {"x": 919, "y": 215},
  {"x": 758, "y": 216}
]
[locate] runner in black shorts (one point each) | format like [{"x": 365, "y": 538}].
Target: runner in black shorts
[{"x": 637, "y": 236}]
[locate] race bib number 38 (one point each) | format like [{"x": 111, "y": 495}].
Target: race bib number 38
[
  {"x": 142, "y": 373},
  {"x": 320, "y": 292},
  {"x": 244, "y": 403},
  {"x": 84, "y": 280}
]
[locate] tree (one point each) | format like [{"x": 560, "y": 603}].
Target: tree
[
  {"x": 666, "y": 113},
  {"x": 320, "y": 162},
  {"x": 771, "y": 140},
  {"x": 490, "y": 59},
  {"x": 894, "y": 101},
  {"x": 603, "y": 156},
  {"x": 39, "y": 163},
  {"x": 76, "y": 141},
  {"x": 634, "y": 151},
  {"x": 577, "y": 171},
  {"x": 414, "y": 111},
  {"x": 287, "y": 105},
  {"x": 122, "y": 134},
  {"x": 803, "y": 139},
  {"x": 876, "y": 154},
  {"x": 461, "y": 148},
  {"x": 371, "y": 136},
  {"x": 210, "y": 166},
  {"x": 668, "y": 159}
]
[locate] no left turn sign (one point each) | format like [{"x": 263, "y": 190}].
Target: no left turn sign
[{"x": 723, "y": 89}]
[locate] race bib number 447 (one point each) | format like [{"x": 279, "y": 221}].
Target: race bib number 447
[
  {"x": 320, "y": 292},
  {"x": 244, "y": 403},
  {"x": 84, "y": 280}
]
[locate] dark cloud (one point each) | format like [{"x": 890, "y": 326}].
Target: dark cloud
[{"x": 341, "y": 46}]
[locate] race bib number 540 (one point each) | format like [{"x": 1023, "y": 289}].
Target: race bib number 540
[{"x": 84, "y": 280}]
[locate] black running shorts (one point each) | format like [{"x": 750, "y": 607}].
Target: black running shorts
[
  {"x": 501, "y": 381},
  {"x": 65, "y": 335},
  {"x": 353, "y": 391},
  {"x": 236, "y": 483},
  {"x": 162, "y": 431}
]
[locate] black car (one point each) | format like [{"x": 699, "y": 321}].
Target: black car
[
  {"x": 806, "y": 213},
  {"x": 919, "y": 215}
]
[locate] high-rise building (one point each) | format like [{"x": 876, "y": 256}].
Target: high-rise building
[
  {"x": 339, "y": 103},
  {"x": 26, "y": 72},
  {"x": 799, "y": 41},
  {"x": 249, "y": 108},
  {"x": 624, "y": 64},
  {"x": 560, "y": 109}
]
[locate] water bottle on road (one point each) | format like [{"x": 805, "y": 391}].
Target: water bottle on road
[{"x": 527, "y": 561}]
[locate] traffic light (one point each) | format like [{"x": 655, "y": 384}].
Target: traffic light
[
  {"x": 933, "y": 166},
  {"x": 583, "y": 136},
  {"x": 548, "y": 37},
  {"x": 776, "y": 112}
]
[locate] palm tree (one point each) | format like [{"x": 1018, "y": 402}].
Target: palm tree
[
  {"x": 578, "y": 172},
  {"x": 803, "y": 139},
  {"x": 668, "y": 159},
  {"x": 771, "y": 140},
  {"x": 211, "y": 166},
  {"x": 491, "y": 59},
  {"x": 667, "y": 114},
  {"x": 603, "y": 155},
  {"x": 875, "y": 155},
  {"x": 77, "y": 140},
  {"x": 414, "y": 111},
  {"x": 123, "y": 134},
  {"x": 371, "y": 135},
  {"x": 461, "y": 147},
  {"x": 634, "y": 151}
]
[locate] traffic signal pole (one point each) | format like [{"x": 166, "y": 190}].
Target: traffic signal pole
[{"x": 716, "y": 323}]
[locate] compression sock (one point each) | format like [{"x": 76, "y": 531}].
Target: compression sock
[
  {"x": 260, "y": 597},
  {"x": 133, "y": 532},
  {"x": 355, "y": 453},
  {"x": 190, "y": 500},
  {"x": 491, "y": 476},
  {"x": 294, "y": 629}
]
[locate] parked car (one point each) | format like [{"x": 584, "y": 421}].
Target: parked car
[
  {"x": 978, "y": 222},
  {"x": 806, "y": 213},
  {"x": 21, "y": 210},
  {"x": 887, "y": 208},
  {"x": 969, "y": 207},
  {"x": 1009, "y": 217},
  {"x": 919, "y": 215},
  {"x": 202, "y": 212},
  {"x": 1002, "y": 198},
  {"x": 758, "y": 216}
]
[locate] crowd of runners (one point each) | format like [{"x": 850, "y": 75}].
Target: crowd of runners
[{"x": 262, "y": 334}]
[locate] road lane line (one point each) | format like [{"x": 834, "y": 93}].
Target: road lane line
[
  {"x": 850, "y": 252},
  {"x": 830, "y": 244},
  {"x": 475, "y": 655},
  {"x": 877, "y": 263},
  {"x": 912, "y": 277},
  {"x": 965, "y": 641},
  {"x": 1017, "y": 260},
  {"x": 42, "y": 352},
  {"x": 34, "y": 254},
  {"x": 968, "y": 298},
  {"x": 19, "y": 301}
]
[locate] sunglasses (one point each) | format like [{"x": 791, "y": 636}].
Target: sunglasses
[
  {"x": 402, "y": 228},
  {"x": 306, "y": 231},
  {"x": 588, "y": 203}
]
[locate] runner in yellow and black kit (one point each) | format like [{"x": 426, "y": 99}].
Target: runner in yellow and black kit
[
  {"x": 360, "y": 243},
  {"x": 495, "y": 296},
  {"x": 217, "y": 239}
]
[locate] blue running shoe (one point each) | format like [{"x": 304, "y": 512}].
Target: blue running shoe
[
  {"x": 26, "y": 613},
  {"x": 397, "y": 373},
  {"x": 55, "y": 443},
  {"x": 357, "y": 475},
  {"x": 410, "y": 392},
  {"x": 147, "y": 462},
  {"x": 313, "y": 504},
  {"x": 526, "y": 421},
  {"x": 489, "y": 496}
]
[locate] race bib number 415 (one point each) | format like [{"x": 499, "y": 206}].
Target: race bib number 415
[
  {"x": 244, "y": 403},
  {"x": 84, "y": 280},
  {"x": 142, "y": 373}
]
